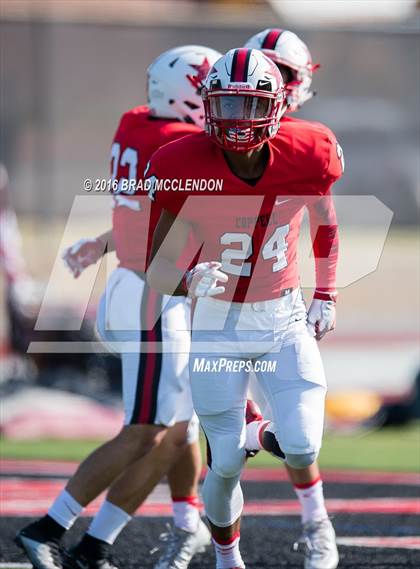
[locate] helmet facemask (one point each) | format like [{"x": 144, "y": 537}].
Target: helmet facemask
[{"x": 240, "y": 120}]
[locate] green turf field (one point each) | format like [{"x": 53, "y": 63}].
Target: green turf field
[{"x": 386, "y": 449}]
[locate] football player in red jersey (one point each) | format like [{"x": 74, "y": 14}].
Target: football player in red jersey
[
  {"x": 156, "y": 391},
  {"x": 248, "y": 247},
  {"x": 294, "y": 61}
]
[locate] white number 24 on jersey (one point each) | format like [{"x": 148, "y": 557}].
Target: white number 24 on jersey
[{"x": 274, "y": 248}]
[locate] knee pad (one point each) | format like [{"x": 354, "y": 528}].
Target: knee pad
[
  {"x": 227, "y": 456},
  {"x": 301, "y": 460}
]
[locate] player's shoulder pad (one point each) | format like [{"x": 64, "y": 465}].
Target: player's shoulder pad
[
  {"x": 319, "y": 144},
  {"x": 174, "y": 158},
  {"x": 178, "y": 129},
  {"x": 130, "y": 119}
]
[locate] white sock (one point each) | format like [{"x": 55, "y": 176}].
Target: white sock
[
  {"x": 228, "y": 554},
  {"x": 186, "y": 514},
  {"x": 311, "y": 498},
  {"x": 65, "y": 510},
  {"x": 108, "y": 523},
  {"x": 254, "y": 431}
]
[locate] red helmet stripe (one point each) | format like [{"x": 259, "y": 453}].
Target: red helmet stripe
[
  {"x": 271, "y": 38},
  {"x": 240, "y": 63}
]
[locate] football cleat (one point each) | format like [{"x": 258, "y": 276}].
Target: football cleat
[
  {"x": 320, "y": 545},
  {"x": 42, "y": 551},
  {"x": 73, "y": 559},
  {"x": 181, "y": 546},
  {"x": 90, "y": 553}
]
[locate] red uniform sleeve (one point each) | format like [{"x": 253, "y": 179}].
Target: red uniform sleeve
[
  {"x": 323, "y": 223},
  {"x": 324, "y": 235}
]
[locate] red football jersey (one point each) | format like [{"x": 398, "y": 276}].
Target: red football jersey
[
  {"x": 138, "y": 136},
  {"x": 253, "y": 230}
]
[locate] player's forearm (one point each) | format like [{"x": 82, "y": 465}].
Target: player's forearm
[
  {"x": 108, "y": 239},
  {"x": 326, "y": 247},
  {"x": 325, "y": 243},
  {"x": 164, "y": 276}
]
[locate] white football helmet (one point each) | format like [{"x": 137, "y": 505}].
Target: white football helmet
[
  {"x": 174, "y": 83},
  {"x": 244, "y": 100},
  {"x": 294, "y": 59}
]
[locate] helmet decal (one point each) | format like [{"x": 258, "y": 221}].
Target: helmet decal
[
  {"x": 240, "y": 62},
  {"x": 271, "y": 39},
  {"x": 172, "y": 63},
  {"x": 202, "y": 71}
]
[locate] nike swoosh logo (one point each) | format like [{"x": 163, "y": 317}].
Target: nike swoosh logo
[{"x": 279, "y": 202}]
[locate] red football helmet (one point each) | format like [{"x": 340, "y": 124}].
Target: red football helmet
[{"x": 244, "y": 99}]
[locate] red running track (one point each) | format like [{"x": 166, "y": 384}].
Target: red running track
[
  {"x": 66, "y": 469},
  {"x": 26, "y": 497}
]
